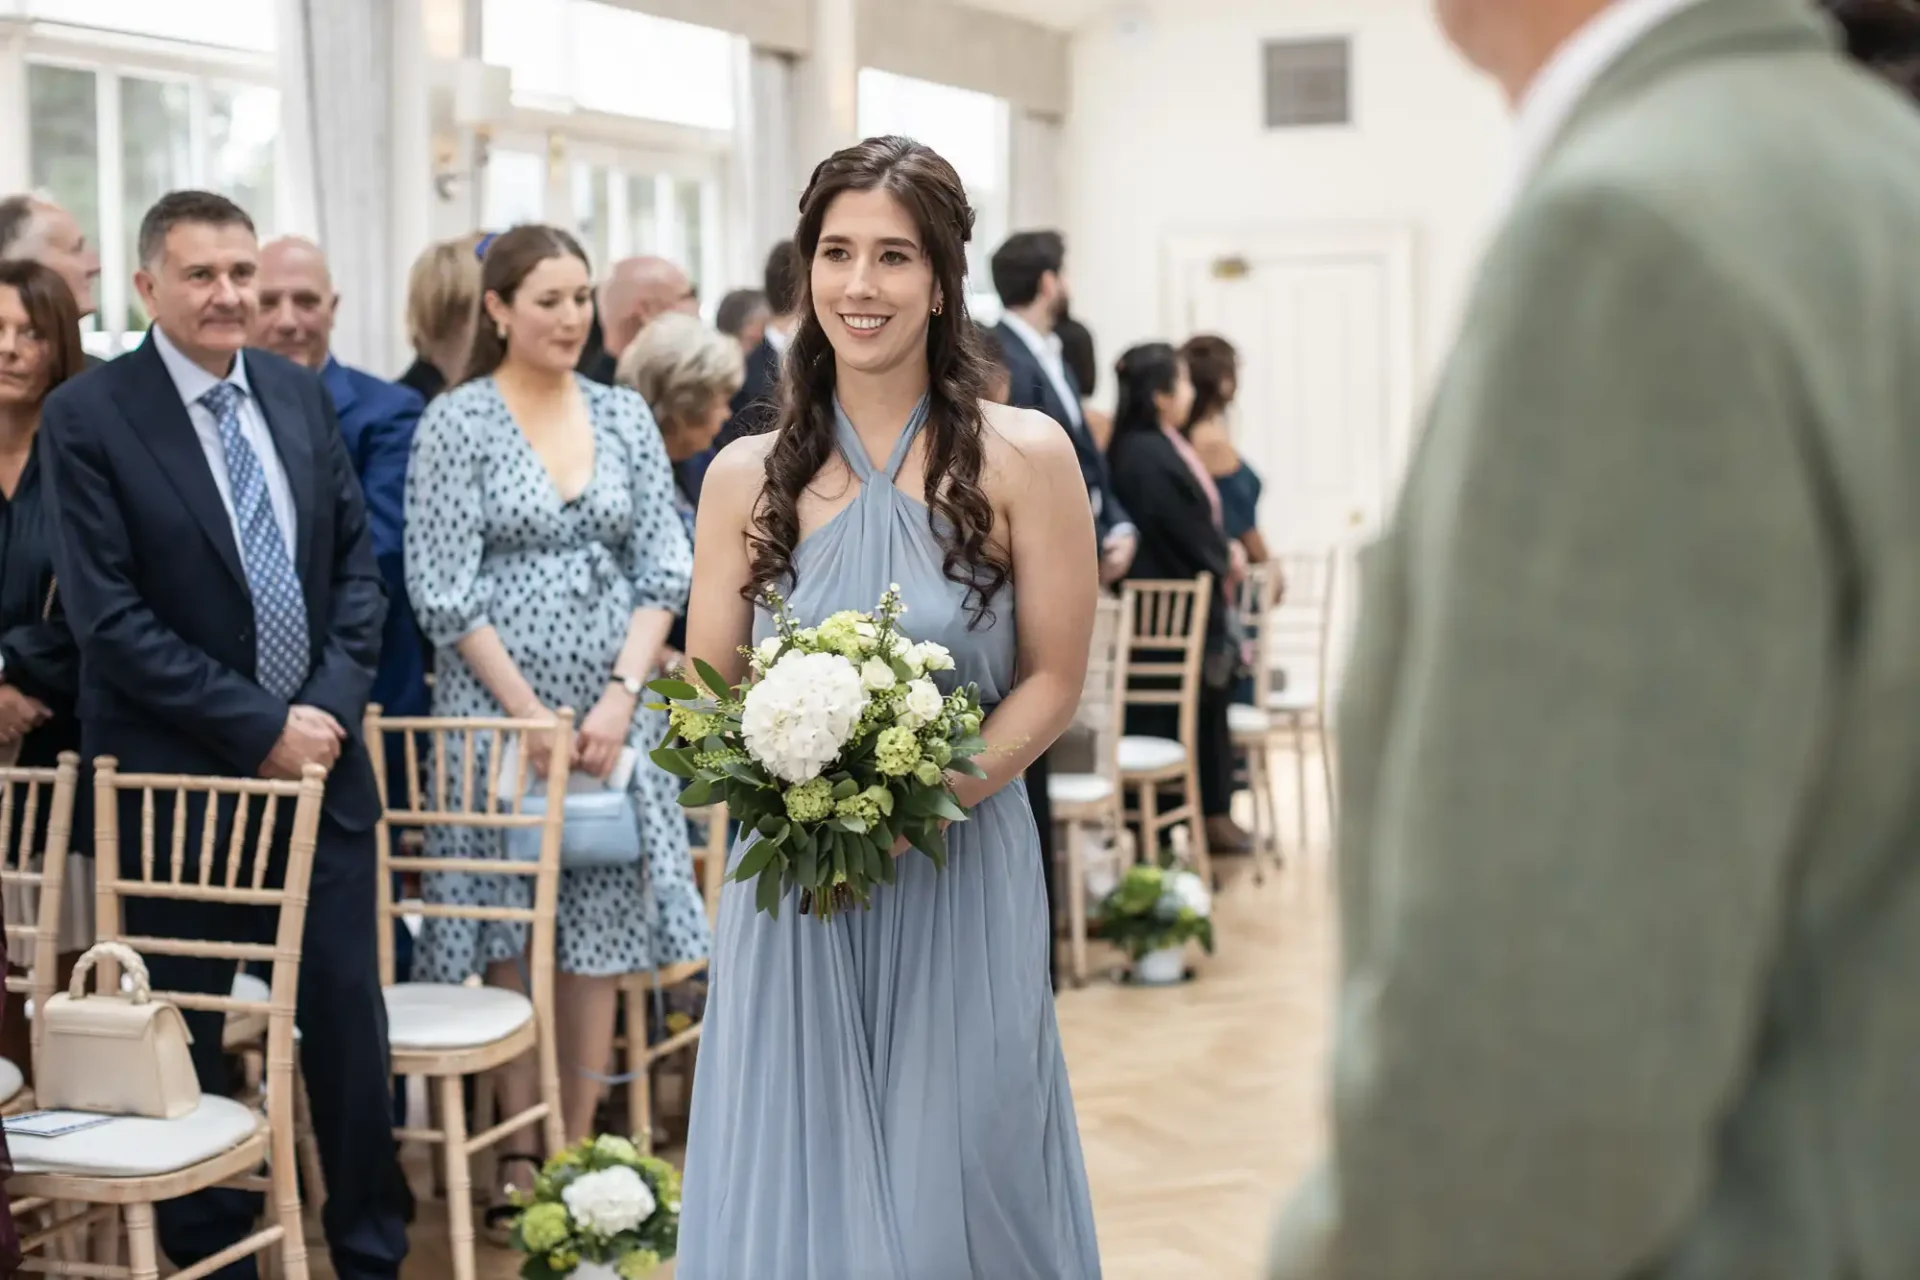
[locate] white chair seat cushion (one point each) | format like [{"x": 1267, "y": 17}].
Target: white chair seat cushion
[
  {"x": 1149, "y": 755},
  {"x": 1078, "y": 788},
  {"x": 1245, "y": 720},
  {"x": 135, "y": 1147},
  {"x": 436, "y": 1015},
  {"x": 11, "y": 1081},
  {"x": 1295, "y": 699}
]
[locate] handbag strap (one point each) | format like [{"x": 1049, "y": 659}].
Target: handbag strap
[{"x": 120, "y": 953}]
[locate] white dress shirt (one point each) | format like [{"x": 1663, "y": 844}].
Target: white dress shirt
[
  {"x": 1046, "y": 349},
  {"x": 192, "y": 382},
  {"x": 1564, "y": 82}
]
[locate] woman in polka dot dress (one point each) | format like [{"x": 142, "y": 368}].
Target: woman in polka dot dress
[{"x": 546, "y": 562}]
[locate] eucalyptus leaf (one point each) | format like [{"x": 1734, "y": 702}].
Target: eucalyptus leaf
[
  {"x": 771, "y": 826},
  {"x": 698, "y": 795},
  {"x": 856, "y": 825},
  {"x": 678, "y": 690},
  {"x": 755, "y": 859},
  {"x": 932, "y": 842},
  {"x": 845, "y": 789},
  {"x": 966, "y": 767},
  {"x": 711, "y": 678},
  {"x": 677, "y": 761},
  {"x": 947, "y": 807},
  {"x": 972, "y": 745},
  {"x": 766, "y": 895}
]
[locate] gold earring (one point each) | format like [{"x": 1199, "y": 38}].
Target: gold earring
[{"x": 938, "y": 307}]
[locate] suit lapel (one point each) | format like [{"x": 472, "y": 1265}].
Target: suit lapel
[
  {"x": 152, "y": 407},
  {"x": 280, "y": 405}
]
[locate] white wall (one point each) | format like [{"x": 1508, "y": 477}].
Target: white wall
[{"x": 1167, "y": 137}]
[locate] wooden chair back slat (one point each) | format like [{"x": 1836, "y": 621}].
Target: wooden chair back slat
[
  {"x": 33, "y": 869},
  {"x": 1169, "y": 644},
  {"x": 484, "y": 795}
]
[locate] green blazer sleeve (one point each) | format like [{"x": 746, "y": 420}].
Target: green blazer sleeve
[{"x": 1581, "y": 757}]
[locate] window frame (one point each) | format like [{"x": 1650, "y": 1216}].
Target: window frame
[{"x": 113, "y": 57}]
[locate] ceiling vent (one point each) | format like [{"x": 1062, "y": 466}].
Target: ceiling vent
[{"x": 1309, "y": 83}]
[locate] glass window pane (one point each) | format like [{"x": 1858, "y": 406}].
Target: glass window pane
[
  {"x": 592, "y": 218},
  {"x": 242, "y": 123},
  {"x": 63, "y": 137},
  {"x": 643, "y": 217},
  {"x": 516, "y": 189},
  {"x": 529, "y": 38},
  {"x": 688, "y": 207},
  {"x": 634, "y": 64},
  {"x": 156, "y": 156}
]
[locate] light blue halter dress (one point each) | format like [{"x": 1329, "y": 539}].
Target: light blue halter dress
[{"x": 883, "y": 1097}]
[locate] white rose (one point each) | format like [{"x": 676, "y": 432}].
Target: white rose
[
  {"x": 609, "y": 1201},
  {"x": 928, "y": 656},
  {"x": 1183, "y": 890},
  {"x": 877, "y": 674},
  {"x": 923, "y": 702},
  {"x": 769, "y": 650},
  {"x": 801, "y": 713}
]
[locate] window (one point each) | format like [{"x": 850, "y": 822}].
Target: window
[
  {"x": 620, "y": 213},
  {"x": 107, "y": 142},
  {"x": 585, "y": 55},
  {"x": 970, "y": 130}
]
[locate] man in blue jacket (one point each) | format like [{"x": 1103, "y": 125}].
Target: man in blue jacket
[{"x": 377, "y": 418}]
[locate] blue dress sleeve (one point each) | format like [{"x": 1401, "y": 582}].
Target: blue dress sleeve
[
  {"x": 658, "y": 556},
  {"x": 444, "y": 527}
]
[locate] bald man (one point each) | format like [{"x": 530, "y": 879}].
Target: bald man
[
  {"x": 637, "y": 290},
  {"x": 40, "y": 231},
  {"x": 298, "y": 306}
]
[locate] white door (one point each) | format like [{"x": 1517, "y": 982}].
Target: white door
[{"x": 1323, "y": 325}]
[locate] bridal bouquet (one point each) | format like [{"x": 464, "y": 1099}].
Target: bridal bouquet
[
  {"x": 836, "y": 746},
  {"x": 601, "y": 1209}
]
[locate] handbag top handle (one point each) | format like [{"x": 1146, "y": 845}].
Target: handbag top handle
[{"x": 122, "y": 954}]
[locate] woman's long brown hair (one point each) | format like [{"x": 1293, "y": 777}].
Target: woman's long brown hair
[
  {"x": 962, "y": 517},
  {"x": 511, "y": 258},
  {"x": 53, "y": 314}
]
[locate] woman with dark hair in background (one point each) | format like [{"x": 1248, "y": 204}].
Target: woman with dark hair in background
[
  {"x": 39, "y": 660},
  {"x": 1178, "y": 509},
  {"x": 1214, "y": 366},
  {"x": 1076, "y": 352},
  {"x": 546, "y": 562},
  {"x": 884, "y": 1094}
]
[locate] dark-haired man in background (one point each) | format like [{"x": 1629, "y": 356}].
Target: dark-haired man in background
[
  {"x": 756, "y": 406},
  {"x": 214, "y": 559}
]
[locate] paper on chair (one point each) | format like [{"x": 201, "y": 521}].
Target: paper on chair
[
  {"x": 54, "y": 1124},
  {"x": 577, "y": 783}
]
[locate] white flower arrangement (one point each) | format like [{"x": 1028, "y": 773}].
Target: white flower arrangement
[{"x": 839, "y": 744}]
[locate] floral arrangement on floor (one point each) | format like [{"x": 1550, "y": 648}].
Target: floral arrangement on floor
[
  {"x": 600, "y": 1208},
  {"x": 837, "y": 746},
  {"x": 1153, "y": 908}
]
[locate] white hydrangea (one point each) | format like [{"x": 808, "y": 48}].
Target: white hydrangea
[
  {"x": 800, "y": 714},
  {"x": 609, "y": 1201},
  {"x": 928, "y": 656},
  {"x": 877, "y": 674},
  {"x": 922, "y": 705},
  {"x": 1183, "y": 890}
]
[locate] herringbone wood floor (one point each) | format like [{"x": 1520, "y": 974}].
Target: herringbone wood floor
[{"x": 1198, "y": 1106}]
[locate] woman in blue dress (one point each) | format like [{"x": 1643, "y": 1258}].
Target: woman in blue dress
[{"x": 883, "y": 1097}]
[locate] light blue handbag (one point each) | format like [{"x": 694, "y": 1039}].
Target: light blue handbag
[{"x": 601, "y": 829}]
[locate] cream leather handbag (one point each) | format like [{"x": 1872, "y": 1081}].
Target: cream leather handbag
[{"x": 123, "y": 1055}]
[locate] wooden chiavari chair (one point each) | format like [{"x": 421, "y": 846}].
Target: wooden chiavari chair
[
  {"x": 126, "y": 1166},
  {"x": 1168, "y": 645},
  {"x": 444, "y": 1032},
  {"x": 1295, "y": 639},
  {"x": 1252, "y": 726},
  {"x": 1081, "y": 800},
  {"x": 36, "y": 829}
]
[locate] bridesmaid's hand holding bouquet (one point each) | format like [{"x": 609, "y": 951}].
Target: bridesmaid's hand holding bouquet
[{"x": 838, "y": 746}]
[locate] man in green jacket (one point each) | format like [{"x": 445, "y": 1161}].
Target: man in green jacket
[{"x": 1630, "y": 825}]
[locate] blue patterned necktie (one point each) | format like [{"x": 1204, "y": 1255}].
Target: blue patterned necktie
[{"x": 279, "y": 609}]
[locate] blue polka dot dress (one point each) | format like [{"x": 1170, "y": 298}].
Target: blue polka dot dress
[{"x": 489, "y": 542}]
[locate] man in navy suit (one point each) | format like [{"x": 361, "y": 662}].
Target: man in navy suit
[
  {"x": 1029, "y": 275},
  {"x": 756, "y": 405},
  {"x": 214, "y": 557}
]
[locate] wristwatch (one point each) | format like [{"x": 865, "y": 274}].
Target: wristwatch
[{"x": 632, "y": 684}]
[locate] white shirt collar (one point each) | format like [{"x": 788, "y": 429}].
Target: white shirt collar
[
  {"x": 1044, "y": 345},
  {"x": 1561, "y": 85},
  {"x": 189, "y": 379},
  {"x": 777, "y": 338}
]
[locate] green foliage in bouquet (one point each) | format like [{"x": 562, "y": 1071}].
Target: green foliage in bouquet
[
  {"x": 1152, "y": 908},
  {"x": 600, "y": 1201},
  {"x": 837, "y": 746}
]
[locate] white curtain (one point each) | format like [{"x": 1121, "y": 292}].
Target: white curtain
[{"x": 337, "y": 63}]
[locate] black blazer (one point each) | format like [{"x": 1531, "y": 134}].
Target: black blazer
[
  {"x": 1178, "y": 537},
  {"x": 755, "y": 408},
  {"x": 1033, "y": 389},
  {"x": 154, "y": 589}
]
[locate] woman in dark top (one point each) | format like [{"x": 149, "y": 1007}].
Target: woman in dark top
[
  {"x": 443, "y": 300},
  {"x": 1214, "y": 366},
  {"x": 39, "y": 662},
  {"x": 1176, "y": 506}
]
